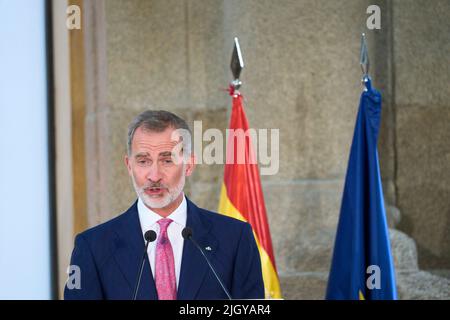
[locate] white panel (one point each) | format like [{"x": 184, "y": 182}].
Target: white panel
[{"x": 24, "y": 204}]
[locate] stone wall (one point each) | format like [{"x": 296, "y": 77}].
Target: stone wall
[
  {"x": 421, "y": 69},
  {"x": 302, "y": 76}
]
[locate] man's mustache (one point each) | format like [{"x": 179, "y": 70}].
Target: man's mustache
[{"x": 155, "y": 185}]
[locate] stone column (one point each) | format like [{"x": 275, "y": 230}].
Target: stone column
[{"x": 421, "y": 77}]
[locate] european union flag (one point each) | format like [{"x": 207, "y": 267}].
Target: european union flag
[{"x": 362, "y": 265}]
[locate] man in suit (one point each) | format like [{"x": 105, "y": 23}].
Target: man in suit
[{"x": 109, "y": 256}]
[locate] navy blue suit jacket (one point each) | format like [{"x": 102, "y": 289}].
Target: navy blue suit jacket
[{"x": 109, "y": 257}]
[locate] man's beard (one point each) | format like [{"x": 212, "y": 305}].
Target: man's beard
[{"x": 160, "y": 201}]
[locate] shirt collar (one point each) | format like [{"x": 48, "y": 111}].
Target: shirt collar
[{"x": 149, "y": 218}]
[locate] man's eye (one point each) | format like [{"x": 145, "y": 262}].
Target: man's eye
[{"x": 167, "y": 161}]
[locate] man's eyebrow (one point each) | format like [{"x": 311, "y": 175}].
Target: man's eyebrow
[
  {"x": 165, "y": 154},
  {"x": 142, "y": 155}
]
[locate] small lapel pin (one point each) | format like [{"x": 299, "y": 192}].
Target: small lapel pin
[{"x": 208, "y": 248}]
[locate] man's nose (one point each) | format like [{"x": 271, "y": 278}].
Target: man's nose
[{"x": 154, "y": 172}]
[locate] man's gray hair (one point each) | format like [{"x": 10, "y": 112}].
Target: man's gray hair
[{"x": 158, "y": 121}]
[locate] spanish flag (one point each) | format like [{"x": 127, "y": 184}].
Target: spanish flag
[{"x": 241, "y": 195}]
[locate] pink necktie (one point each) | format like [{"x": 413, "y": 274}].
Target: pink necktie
[{"x": 166, "y": 283}]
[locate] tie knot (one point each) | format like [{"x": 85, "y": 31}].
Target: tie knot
[{"x": 164, "y": 223}]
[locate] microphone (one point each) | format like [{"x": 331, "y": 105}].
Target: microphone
[
  {"x": 149, "y": 236},
  {"x": 187, "y": 234}
]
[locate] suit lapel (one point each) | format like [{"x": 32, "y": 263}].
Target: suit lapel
[
  {"x": 130, "y": 247},
  {"x": 193, "y": 266}
]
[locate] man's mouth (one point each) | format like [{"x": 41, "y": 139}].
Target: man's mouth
[{"x": 154, "y": 191}]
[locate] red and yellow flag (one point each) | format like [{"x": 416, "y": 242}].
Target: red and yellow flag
[{"x": 242, "y": 197}]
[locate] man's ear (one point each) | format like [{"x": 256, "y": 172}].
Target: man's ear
[
  {"x": 190, "y": 164},
  {"x": 127, "y": 163}
]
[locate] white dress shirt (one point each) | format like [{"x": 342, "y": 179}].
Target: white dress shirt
[{"x": 149, "y": 221}]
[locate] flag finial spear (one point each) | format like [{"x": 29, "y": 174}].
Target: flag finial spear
[
  {"x": 364, "y": 61},
  {"x": 237, "y": 64},
  {"x": 364, "y": 55}
]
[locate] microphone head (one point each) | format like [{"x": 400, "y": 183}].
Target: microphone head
[
  {"x": 187, "y": 233},
  {"x": 150, "y": 236}
]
